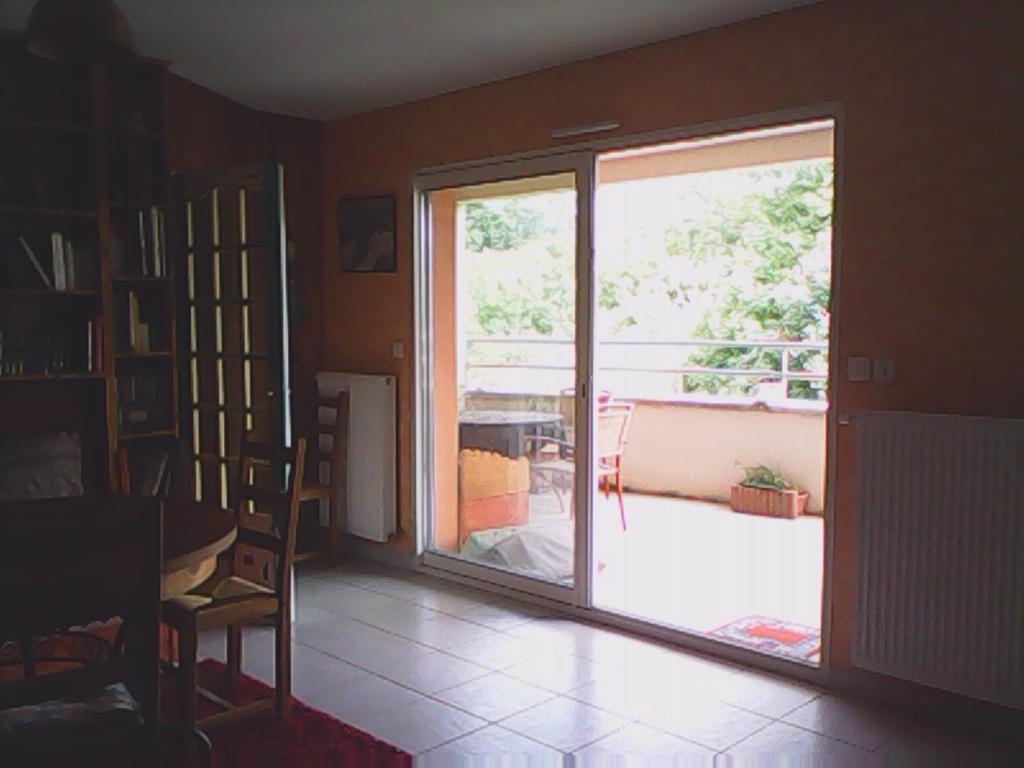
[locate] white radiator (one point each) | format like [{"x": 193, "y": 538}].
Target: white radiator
[
  {"x": 940, "y": 581},
  {"x": 372, "y": 445}
]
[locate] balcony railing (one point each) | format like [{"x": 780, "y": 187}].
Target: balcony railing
[{"x": 550, "y": 361}]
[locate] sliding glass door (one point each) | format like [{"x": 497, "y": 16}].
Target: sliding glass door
[
  {"x": 504, "y": 298},
  {"x": 619, "y": 430}
]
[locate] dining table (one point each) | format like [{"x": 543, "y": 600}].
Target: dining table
[{"x": 195, "y": 533}]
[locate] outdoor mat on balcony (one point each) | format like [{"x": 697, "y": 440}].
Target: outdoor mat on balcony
[
  {"x": 308, "y": 738},
  {"x": 783, "y": 638}
]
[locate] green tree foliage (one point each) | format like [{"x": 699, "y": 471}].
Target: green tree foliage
[
  {"x": 774, "y": 279},
  {"x": 752, "y": 266},
  {"x": 521, "y": 280},
  {"x": 501, "y": 225}
]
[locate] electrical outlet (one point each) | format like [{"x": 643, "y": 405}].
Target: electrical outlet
[
  {"x": 858, "y": 369},
  {"x": 885, "y": 370}
]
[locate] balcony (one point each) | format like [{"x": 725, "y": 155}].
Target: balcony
[
  {"x": 683, "y": 451},
  {"x": 680, "y": 443}
]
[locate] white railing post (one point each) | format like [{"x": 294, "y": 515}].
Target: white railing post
[{"x": 785, "y": 371}]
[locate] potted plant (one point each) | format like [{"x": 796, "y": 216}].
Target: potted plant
[{"x": 763, "y": 491}]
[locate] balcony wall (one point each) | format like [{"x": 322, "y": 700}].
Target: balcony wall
[{"x": 697, "y": 447}]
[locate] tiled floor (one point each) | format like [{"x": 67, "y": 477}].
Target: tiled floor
[
  {"x": 746, "y": 565},
  {"x": 451, "y": 674}
]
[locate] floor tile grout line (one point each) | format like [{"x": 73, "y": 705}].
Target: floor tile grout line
[
  {"x": 434, "y": 610},
  {"x": 450, "y": 655},
  {"x": 431, "y": 696},
  {"x": 326, "y": 579},
  {"x": 493, "y": 724},
  {"x": 848, "y": 743},
  {"x": 505, "y": 630},
  {"x": 487, "y": 722},
  {"x": 555, "y": 694},
  {"x": 622, "y": 727},
  {"x": 442, "y": 590},
  {"x": 454, "y": 738},
  {"x": 559, "y": 649},
  {"x": 566, "y": 694},
  {"x": 574, "y": 749}
]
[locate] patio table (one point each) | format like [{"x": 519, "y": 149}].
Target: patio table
[{"x": 503, "y": 431}]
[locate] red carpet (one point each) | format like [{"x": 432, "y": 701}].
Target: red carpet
[{"x": 310, "y": 738}]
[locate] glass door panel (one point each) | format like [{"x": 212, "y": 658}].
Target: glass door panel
[{"x": 504, "y": 330}]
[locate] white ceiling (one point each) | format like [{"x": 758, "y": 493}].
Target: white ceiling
[{"x": 330, "y": 58}]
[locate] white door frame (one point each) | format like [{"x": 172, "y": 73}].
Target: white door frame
[
  {"x": 581, "y": 604},
  {"x": 581, "y": 165}
]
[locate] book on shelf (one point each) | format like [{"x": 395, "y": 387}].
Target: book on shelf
[
  {"x": 60, "y": 278},
  {"x": 133, "y": 320},
  {"x": 52, "y": 349},
  {"x": 35, "y": 262},
  {"x": 97, "y": 346},
  {"x": 139, "y": 339},
  {"x": 140, "y": 250},
  {"x": 89, "y": 346},
  {"x": 69, "y": 266},
  {"x": 155, "y": 227},
  {"x": 143, "y": 250},
  {"x": 162, "y": 240},
  {"x": 145, "y": 470},
  {"x": 142, "y": 403}
]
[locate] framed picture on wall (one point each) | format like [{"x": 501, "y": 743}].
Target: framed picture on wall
[{"x": 366, "y": 232}]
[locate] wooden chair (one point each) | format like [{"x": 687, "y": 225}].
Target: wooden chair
[
  {"x": 269, "y": 485},
  {"x": 552, "y": 461},
  {"x": 327, "y": 454},
  {"x": 64, "y": 564}
]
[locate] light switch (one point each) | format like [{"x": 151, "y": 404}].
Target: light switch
[
  {"x": 885, "y": 370},
  {"x": 398, "y": 350},
  {"x": 858, "y": 369}
]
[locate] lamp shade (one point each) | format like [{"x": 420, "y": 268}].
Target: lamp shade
[{"x": 78, "y": 29}]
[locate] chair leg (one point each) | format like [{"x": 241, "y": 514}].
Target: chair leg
[
  {"x": 283, "y": 661},
  {"x": 234, "y": 658},
  {"x": 334, "y": 530},
  {"x": 622, "y": 506},
  {"x": 187, "y": 676}
]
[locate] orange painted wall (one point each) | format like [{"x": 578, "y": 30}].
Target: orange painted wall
[
  {"x": 446, "y": 396},
  {"x": 205, "y": 130},
  {"x": 930, "y": 232}
]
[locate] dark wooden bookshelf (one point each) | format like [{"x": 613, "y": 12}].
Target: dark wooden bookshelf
[
  {"x": 56, "y": 213},
  {"x": 13, "y": 377},
  {"x": 146, "y": 355},
  {"x": 45, "y": 125},
  {"x": 41, "y": 293},
  {"x": 81, "y": 153},
  {"x": 154, "y": 434},
  {"x": 139, "y": 280}
]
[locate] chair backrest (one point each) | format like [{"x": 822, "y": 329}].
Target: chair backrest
[
  {"x": 66, "y": 563},
  {"x": 269, "y": 488},
  {"x": 612, "y": 427}
]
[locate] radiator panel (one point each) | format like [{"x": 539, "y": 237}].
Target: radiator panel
[{"x": 940, "y": 563}]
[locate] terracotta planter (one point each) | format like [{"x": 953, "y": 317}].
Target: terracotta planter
[{"x": 768, "y": 502}]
